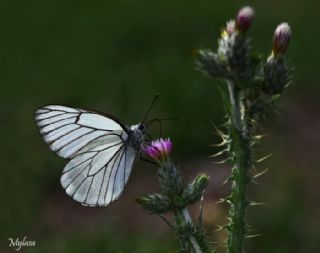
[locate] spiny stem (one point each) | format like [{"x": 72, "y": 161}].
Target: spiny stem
[
  {"x": 183, "y": 219},
  {"x": 235, "y": 106},
  {"x": 241, "y": 155}
]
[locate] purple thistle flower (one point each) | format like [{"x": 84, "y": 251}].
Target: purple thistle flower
[
  {"x": 159, "y": 150},
  {"x": 244, "y": 19},
  {"x": 281, "y": 39}
]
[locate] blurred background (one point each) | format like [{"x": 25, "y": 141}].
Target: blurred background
[{"x": 113, "y": 56}]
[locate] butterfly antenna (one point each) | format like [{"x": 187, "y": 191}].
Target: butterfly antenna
[
  {"x": 159, "y": 120},
  {"x": 171, "y": 118},
  {"x": 152, "y": 104},
  {"x": 149, "y": 122}
]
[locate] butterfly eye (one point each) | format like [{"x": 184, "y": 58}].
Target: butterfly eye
[{"x": 141, "y": 127}]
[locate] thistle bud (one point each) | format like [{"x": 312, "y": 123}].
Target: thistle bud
[
  {"x": 281, "y": 39},
  {"x": 244, "y": 19},
  {"x": 230, "y": 27},
  {"x": 155, "y": 203},
  {"x": 210, "y": 64},
  {"x": 195, "y": 189}
]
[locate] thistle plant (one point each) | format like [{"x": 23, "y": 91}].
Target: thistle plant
[
  {"x": 254, "y": 84},
  {"x": 174, "y": 197}
]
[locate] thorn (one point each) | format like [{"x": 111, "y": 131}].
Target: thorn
[
  {"x": 253, "y": 169},
  {"x": 264, "y": 158},
  {"x": 221, "y": 144},
  {"x": 222, "y": 200},
  {"x": 257, "y": 203},
  {"x": 227, "y": 180},
  {"x": 219, "y": 132},
  {"x": 219, "y": 228},
  {"x": 228, "y": 201},
  {"x": 261, "y": 173},
  {"x": 200, "y": 219},
  {"x": 255, "y": 182},
  {"x": 220, "y": 153},
  {"x": 252, "y": 236},
  {"x": 259, "y": 137},
  {"x": 223, "y": 244},
  {"x": 168, "y": 223},
  {"x": 222, "y": 161}
]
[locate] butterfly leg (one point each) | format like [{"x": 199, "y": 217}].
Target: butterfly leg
[
  {"x": 150, "y": 138},
  {"x": 160, "y": 126},
  {"x": 144, "y": 159}
]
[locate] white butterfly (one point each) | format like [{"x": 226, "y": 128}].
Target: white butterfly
[{"x": 100, "y": 148}]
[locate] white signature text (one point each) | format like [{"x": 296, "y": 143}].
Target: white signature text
[{"x": 17, "y": 243}]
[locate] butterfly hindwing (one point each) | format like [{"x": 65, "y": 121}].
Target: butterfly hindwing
[
  {"x": 98, "y": 176},
  {"x": 100, "y": 157}
]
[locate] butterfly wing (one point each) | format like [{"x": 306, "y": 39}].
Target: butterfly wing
[
  {"x": 101, "y": 159},
  {"x": 66, "y": 130},
  {"x": 97, "y": 175}
]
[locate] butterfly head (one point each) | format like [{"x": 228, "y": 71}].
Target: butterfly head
[
  {"x": 138, "y": 128},
  {"x": 142, "y": 127}
]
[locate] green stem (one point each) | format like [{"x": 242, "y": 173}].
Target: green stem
[
  {"x": 188, "y": 241},
  {"x": 241, "y": 154}
]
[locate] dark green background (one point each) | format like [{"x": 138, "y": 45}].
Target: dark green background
[{"x": 113, "y": 56}]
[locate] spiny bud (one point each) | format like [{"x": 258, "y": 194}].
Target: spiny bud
[
  {"x": 210, "y": 64},
  {"x": 155, "y": 203},
  {"x": 281, "y": 39},
  {"x": 276, "y": 75},
  {"x": 195, "y": 190},
  {"x": 244, "y": 19}
]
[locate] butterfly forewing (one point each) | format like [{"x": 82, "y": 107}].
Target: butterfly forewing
[
  {"x": 66, "y": 130},
  {"x": 101, "y": 158}
]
